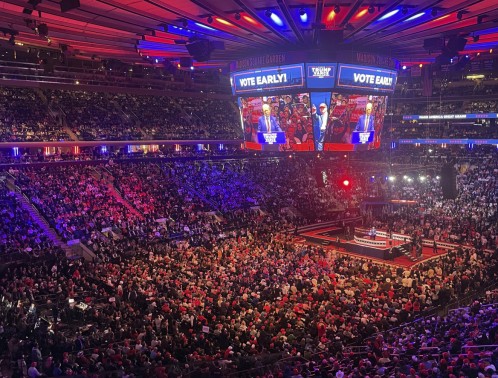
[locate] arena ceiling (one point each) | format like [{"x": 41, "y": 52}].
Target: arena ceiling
[{"x": 132, "y": 30}]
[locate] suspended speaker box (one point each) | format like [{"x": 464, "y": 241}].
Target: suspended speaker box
[{"x": 448, "y": 182}]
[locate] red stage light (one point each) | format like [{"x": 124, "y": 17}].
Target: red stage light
[{"x": 345, "y": 183}]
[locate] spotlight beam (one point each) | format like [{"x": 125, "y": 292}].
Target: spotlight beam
[{"x": 282, "y": 4}]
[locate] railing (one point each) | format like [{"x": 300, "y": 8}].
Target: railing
[
  {"x": 372, "y": 243},
  {"x": 74, "y": 76}
]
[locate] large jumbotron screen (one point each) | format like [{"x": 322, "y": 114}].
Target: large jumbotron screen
[
  {"x": 348, "y": 122},
  {"x": 310, "y": 108},
  {"x": 317, "y": 121},
  {"x": 289, "y": 116}
]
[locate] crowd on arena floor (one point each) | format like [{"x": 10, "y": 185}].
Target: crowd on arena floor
[{"x": 178, "y": 288}]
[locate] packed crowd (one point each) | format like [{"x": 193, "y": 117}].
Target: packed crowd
[
  {"x": 74, "y": 201},
  {"x": 256, "y": 296},
  {"x": 219, "y": 118},
  {"x": 24, "y": 117},
  {"x": 93, "y": 115},
  {"x": 476, "y": 204},
  {"x": 441, "y": 128},
  {"x": 185, "y": 290},
  {"x": 19, "y": 232},
  {"x": 163, "y": 117}
]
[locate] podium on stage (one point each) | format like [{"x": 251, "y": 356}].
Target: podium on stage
[
  {"x": 362, "y": 137},
  {"x": 271, "y": 141}
]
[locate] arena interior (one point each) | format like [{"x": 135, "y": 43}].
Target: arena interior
[{"x": 235, "y": 188}]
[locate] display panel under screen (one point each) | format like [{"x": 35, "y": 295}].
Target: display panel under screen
[
  {"x": 347, "y": 122},
  {"x": 277, "y": 123}
]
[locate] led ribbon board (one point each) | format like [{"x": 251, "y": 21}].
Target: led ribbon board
[
  {"x": 448, "y": 141},
  {"x": 268, "y": 79},
  {"x": 366, "y": 78},
  {"x": 450, "y": 116}
]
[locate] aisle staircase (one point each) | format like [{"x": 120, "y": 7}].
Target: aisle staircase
[
  {"x": 42, "y": 222},
  {"x": 404, "y": 250},
  {"x": 102, "y": 174}
]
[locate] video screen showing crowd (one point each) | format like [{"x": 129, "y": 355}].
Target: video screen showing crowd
[
  {"x": 347, "y": 122},
  {"x": 320, "y": 121},
  {"x": 288, "y": 117}
]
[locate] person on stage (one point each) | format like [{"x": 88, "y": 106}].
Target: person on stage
[
  {"x": 366, "y": 121},
  {"x": 268, "y": 123}
]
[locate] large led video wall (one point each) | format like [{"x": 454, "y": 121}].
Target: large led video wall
[
  {"x": 313, "y": 106},
  {"x": 346, "y": 121},
  {"x": 277, "y": 123}
]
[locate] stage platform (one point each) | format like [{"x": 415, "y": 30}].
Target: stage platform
[{"x": 376, "y": 250}]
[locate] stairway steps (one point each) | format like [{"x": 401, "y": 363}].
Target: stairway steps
[
  {"x": 50, "y": 232},
  {"x": 407, "y": 254}
]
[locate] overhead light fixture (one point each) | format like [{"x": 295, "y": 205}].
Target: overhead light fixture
[
  {"x": 361, "y": 13},
  {"x": 237, "y": 16},
  {"x": 268, "y": 13},
  {"x": 337, "y": 9},
  {"x": 276, "y": 19},
  {"x": 415, "y": 16},
  {"x": 389, "y": 14},
  {"x": 224, "y": 22},
  {"x": 185, "y": 22},
  {"x": 474, "y": 77},
  {"x": 460, "y": 15},
  {"x": 250, "y": 19},
  {"x": 371, "y": 9},
  {"x": 210, "y": 19},
  {"x": 204, "y": 26},
  {"x": 434, "y": 12},
  {"x": 404, "y": 10},
  {"x": 303, "y": 15},
  {"x": 475, "y": 38}
]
